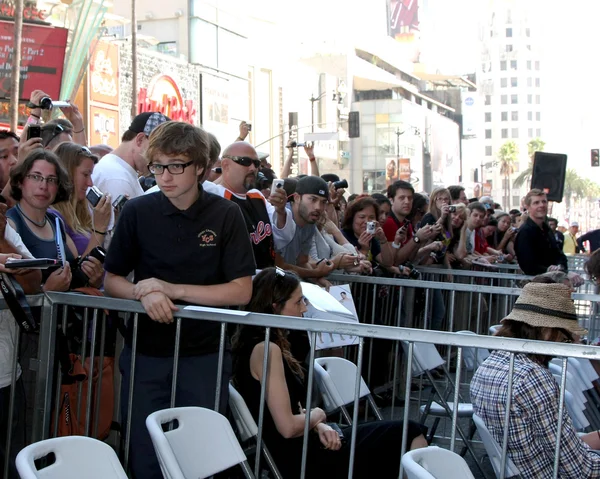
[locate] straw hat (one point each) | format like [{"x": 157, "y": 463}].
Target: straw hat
[{"x": 545, "y": 305}]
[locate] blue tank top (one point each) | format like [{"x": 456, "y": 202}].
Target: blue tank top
[{"x": 38, "y": 247}]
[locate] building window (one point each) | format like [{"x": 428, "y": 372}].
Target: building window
[
  {"x": 529, "y": 64},
  {"x": 514, "y": 115},
  {"x": 530, "y": 99},
  {"x": 488, "y": 150},
  {"x": 504, "y": 116},
  {"x": 538, "y": 99},
  {"x": 513, "y": 82},
  {"x": 503, "y": 99},
  {"x": 529, "y": 82},
  {"x": 488, "y": 134},
  {"x": 503, "y": 82},
  {"x": 514, "y": 133},
  {"x": 514, "y": 99},
  {"x": 503, "y": 65},
  {"x": 530, "y": 116},
  {"x": 537, "y": 82},
  {"x": 488, "y": 117},
  {"x": 488, "y": 99},
  {"x": 513, "y": 64},
  {"x": 509, "y": 48},
  {"x": 530, "y": 132},
  {"x": 537, "y": 66},
  {"x": 538, "y": 116},
  {"x": 504, "y": 133},
  {"x": 508, "y": 32},
  {"x": 538, "y": 132},
  {"x": 205, "y": 34}
]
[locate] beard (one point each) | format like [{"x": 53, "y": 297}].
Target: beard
[{"x": 250, "y": 181}]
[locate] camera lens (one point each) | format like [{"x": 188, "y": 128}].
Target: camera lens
[
  {"x": 46, "y": 103},
  {"x": 340, "y": 184}
]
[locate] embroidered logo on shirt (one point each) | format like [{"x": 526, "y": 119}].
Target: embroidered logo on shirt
[{"x": 207, "y": 238}]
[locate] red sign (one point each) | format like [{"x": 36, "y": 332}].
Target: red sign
[
  {"x": 30, "y": 12},
  {"x": 404, "y": 169},
  {"x": 163, "y": 95},
  {"x": 42, "y": 59}
]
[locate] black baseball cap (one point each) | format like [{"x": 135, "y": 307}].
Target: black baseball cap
[
  {"x": 147, "y": 121},
  {"x": 312, "y": 185}
]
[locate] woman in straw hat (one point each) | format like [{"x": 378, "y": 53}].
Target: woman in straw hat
[{"x": 543, "y": 312}]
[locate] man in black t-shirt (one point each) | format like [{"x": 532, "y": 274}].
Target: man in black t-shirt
[
  {"x": 186, "y": 246},
  {"x": 269, "y": 225}
]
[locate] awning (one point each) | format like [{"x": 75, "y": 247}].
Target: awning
[{"x": 369, "y": 77}]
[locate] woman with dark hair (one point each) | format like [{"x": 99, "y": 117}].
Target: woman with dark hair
[
  {"x": 503, "y": 238},
  {"x": 377, "y": 443},
  {"x": 419, "y": 209},
  {"x": 543, "y": 312},
  {"x": 371, "y": 243},
  {"x": 87, "y": 231},
  {"x": 385, "y": 207},
  {"x": 36, "y": 183}
]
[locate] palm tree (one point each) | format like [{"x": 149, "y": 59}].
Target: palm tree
[
  {"x": 525, "y": 176},
  {"x": 574, "y": 186},
  {"x": 507, "y": 155}
]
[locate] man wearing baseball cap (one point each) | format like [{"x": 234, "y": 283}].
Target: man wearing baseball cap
[
  {"x": 309, "y": 201},
  {"x": 570, "y": 245},
  {"x": 543, "y": 312},
  {"x": 117, "y": 172}
]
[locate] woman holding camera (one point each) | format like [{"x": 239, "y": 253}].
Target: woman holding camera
[
  {"x": 87, "y": 231},
  {"x": 504, "y": 237},
  {"x": 378, "y": 443},
  {"x": 36, "y": 183},
  {"x": 363, "y": 231},
  {"x": 440, "y": 216}
]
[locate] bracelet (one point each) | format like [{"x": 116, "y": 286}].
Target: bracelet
[
  {"x": 80, "y": 131},
  {"x": 99, "y": 232},
  {"x": 311, "y": 159},
  {"x": 35, "y": 116}
]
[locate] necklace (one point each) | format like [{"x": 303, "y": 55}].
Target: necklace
[{"x": 39, "y": 224}]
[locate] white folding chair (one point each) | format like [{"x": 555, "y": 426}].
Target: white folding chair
[
  {"x": 247, "y": 427},
  {"x": 336, "y": 380},
  {"x": 74, "y": 457},
  {"x": 494, "y": 451},
  {"x": 473, "y": 357},
  {"x": 435, "y": 463},
  {"x": 200, "y": 444}
]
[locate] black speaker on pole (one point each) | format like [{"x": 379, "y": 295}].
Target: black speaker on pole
[
  {"x": 354, "y": 124},
  {"x": 548, "y": 175}
]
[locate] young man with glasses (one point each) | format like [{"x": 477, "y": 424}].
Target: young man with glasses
[
  {"x": 269, "y": 225},
  {"x": 183, "y": 246}
]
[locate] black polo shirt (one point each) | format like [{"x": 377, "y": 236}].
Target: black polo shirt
[
  {"x": 204, "y": 245},
  {"x": 536, "y": 249}
]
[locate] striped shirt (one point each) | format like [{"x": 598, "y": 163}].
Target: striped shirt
[{"x": 533, "y": 418}]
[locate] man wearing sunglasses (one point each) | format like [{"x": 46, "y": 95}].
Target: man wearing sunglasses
[{"x": 269, "y": 224}]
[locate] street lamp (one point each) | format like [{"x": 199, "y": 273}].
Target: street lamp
[{"x": 312, "y": 100}]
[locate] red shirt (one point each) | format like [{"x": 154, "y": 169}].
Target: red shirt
[
  {"x": 391, "y": 226},
  {"x": 481, "y": 244}
]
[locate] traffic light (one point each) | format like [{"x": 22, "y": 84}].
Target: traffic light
[{"x": 595, "y": 157}]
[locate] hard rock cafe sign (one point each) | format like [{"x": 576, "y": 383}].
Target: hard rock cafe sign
[{"x": 163, "y": 95}]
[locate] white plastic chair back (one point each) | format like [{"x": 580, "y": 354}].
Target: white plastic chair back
[
  {"x": 579, "y": 368},
  {"x": 575, "y": 407},
  {"x": 435, "y": 463},
  {"x": 585, "y": 366},
  {"x": 336, "y": 380},
  {"x": 473, "y": 357},
  {"x": 494, "y": 451},
  {"x": 202, "y": 443},
  {"x": 76, "y": 457},
  {"x": 244, "y": 421},
  {"x": 574, "y": 385},
  {"x": 426, "y": 357}
]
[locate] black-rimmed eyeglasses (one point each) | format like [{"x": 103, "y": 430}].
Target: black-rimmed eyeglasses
[
  {"x": 244, "y": 160},
  {"x": 174, "y": 168}
]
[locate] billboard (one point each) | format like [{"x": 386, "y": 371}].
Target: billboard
[
  {"x": 404, "y": 25},
  {"x": 42, "y": 59},
  {"x": 104, "y": 124},
  {"x": 471, "y": 113}
]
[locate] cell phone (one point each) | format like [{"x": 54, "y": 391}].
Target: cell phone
[
  {"x": 34, "y": 131},
  {"x": 277, "y": 183},
  {"x": 119, "y": 202},
  {"x": 371, "y": 227},
  {"x": 249, "y": 126},
  {"x": 93, "y": 196},
  {"x": 40, "y": 263}
]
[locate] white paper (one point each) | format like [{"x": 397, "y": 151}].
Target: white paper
[{"x": 335, "y": 305}]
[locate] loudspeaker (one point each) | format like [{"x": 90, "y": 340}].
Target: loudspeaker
[
  {"x": 354, "y": 124},
  {"x": 549, "y": 174}
]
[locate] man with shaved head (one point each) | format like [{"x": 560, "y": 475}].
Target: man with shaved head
[{"x": 269, "y": 224}]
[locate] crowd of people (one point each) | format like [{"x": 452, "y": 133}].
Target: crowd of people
[{"x": 179, "y": 220}]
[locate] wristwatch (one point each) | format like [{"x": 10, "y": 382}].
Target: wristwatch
[{"x": 416, "y": 239}]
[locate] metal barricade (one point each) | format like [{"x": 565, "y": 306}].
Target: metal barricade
[{"x": 56, "y": 305}]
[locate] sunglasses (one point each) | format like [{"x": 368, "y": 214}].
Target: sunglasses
[
  {"x": 218, "y": 170},
  {"x": 244, "y": 160},
  {"x": 57, "y": 130}
]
